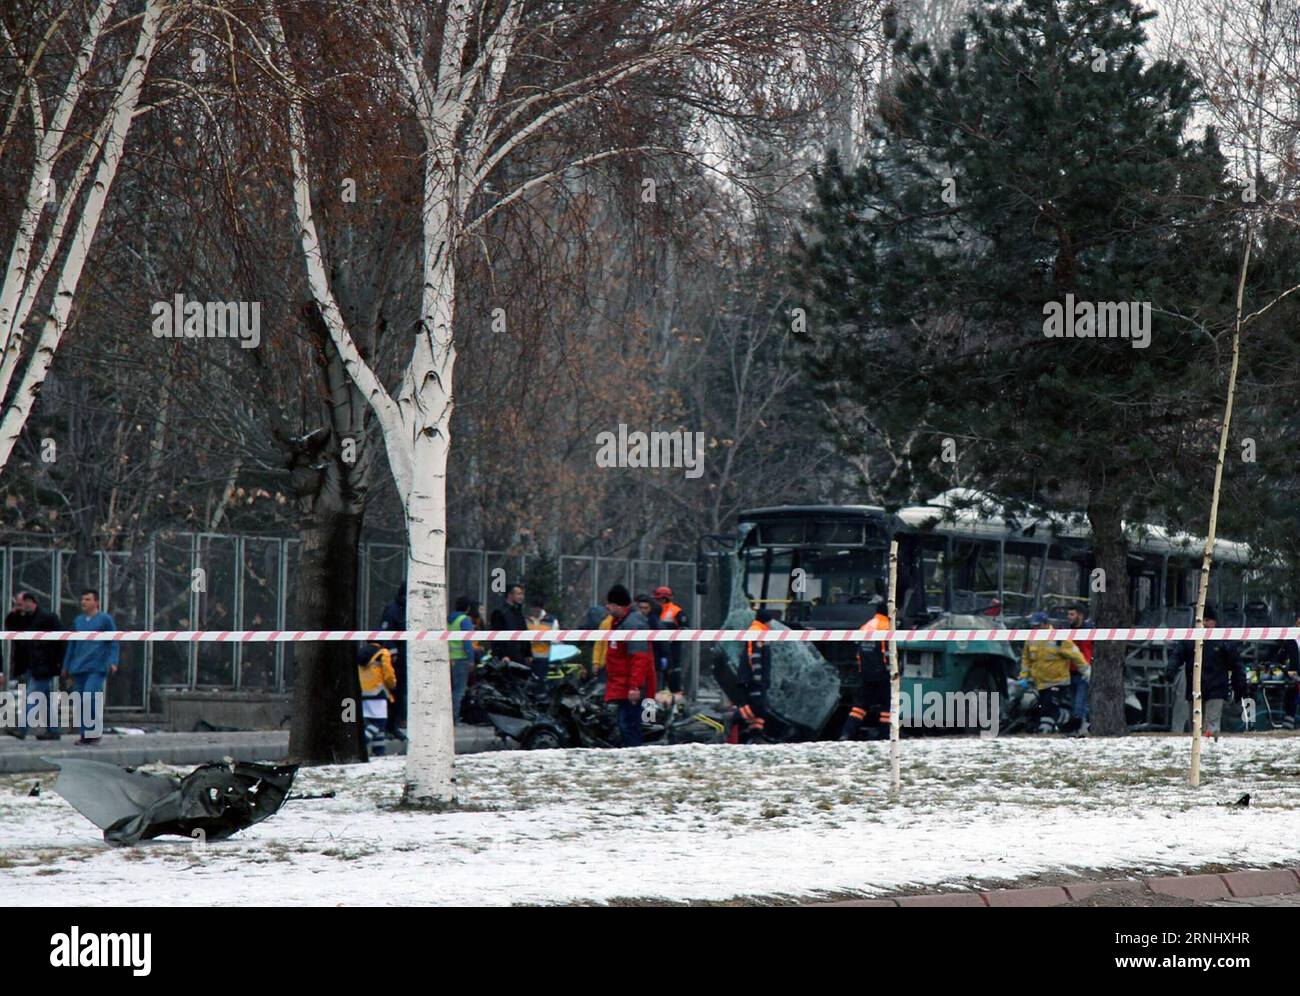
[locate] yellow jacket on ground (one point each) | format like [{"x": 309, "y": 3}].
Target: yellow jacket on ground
[{"x": 1047, "y": 665}]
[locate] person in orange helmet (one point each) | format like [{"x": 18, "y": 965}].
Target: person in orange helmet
[{"x": 671, "y": 616}]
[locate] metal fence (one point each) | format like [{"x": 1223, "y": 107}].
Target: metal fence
[{"x": 249, "y": 582}]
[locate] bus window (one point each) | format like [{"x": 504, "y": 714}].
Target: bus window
[
  {"x": 767, "y": 578},
  {"x": 934, "y": 573},
  {"x": 781, "y": 533},
  {"x": 1020, "y": 581},
  {"x": 832, "y": 532},
  {"x": 1142, "y": 591},
  {"x": 975, "y": 581},
  {"x": 1062, "y": 586},
  {"x": 1180, "y": 585},
  {"x": 755, "y": 573},
  {"x": 841, "y": 577}
]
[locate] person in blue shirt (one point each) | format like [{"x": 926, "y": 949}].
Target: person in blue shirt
[{"x": 89, "y": 665}]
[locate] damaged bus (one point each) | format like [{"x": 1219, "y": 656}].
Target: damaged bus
[{"x": 965, "y": 562}]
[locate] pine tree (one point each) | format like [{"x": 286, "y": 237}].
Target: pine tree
[{"x": 1039, "y": 155}]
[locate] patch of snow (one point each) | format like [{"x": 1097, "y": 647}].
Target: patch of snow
[{"x": 693, "y": 822}]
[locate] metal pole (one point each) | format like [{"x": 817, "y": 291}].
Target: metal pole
[
  {"x": 281, "y": 610},
  {"x": 150, "y": 606},
  {"x": 193, "y": 659},
  {"x": 238, "y": 662}
]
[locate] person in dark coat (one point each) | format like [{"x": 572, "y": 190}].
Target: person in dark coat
[
  {"x": 36, "y": 665},
  {"x": 1222, "y": 673},
  {"x": 395, "y": 618},
  {"x": 17, "y": 620},
  {"x": 652, "y": 611},
  {"x": 510, "y": 615},
  {"x": 1287, "y": 652}
]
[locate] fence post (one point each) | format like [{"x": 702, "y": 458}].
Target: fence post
[
  {"x": 238, "y": 662},
  {"x": 281, "y": 612},
  {"x": 150, "y": 607}
]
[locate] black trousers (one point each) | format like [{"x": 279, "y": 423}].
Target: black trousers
[
  {"x": 870, "y": 702},
  {"x": 1049, "y": 706}
]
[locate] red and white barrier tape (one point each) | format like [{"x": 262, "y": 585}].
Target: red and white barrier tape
[{"x": 1130, "y": 635}]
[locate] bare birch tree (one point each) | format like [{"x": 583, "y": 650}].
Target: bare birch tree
[
  {"x": 66, "y": 142},
  {"x": 486, "y": 81}
]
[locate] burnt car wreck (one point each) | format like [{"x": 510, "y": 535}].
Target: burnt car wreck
[{"x": 211, "y": 803}]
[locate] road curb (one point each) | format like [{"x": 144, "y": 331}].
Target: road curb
[
  {"x": 1248, "y": 884},
  {"x": 26, "y": 756}
]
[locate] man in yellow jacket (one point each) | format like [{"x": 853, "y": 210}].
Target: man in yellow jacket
[
  {"x": 378, "y": 682},
  {"x": 1047, "y": 665}
]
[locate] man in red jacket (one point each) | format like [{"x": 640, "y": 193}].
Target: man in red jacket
[
  {"x": 1079, "y": 680},
  {"x": 629, "y": 666}
]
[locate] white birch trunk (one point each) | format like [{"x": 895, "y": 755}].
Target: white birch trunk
[
  {"x": 47, "y": 139},
  {"x": 431, "y": 748},
  {"x": 16, "y": 289}
]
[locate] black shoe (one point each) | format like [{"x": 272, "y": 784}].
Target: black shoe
[
  {"x": 88, "y": 742},
  {"x": 17, "y": 732},
  {"x": 49, "y": 735}
]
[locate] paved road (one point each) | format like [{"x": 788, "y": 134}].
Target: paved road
[{"x": 20, "y": 756}]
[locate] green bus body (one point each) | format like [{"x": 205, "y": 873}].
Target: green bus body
[{"x": 826, "y": 566}]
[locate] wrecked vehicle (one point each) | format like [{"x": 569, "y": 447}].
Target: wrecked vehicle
[
  {"x": 827, "y": 567},
  {"x": 572, "y": 712},
  {"x": 211, "y": 803}
]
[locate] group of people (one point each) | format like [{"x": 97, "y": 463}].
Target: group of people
[
  {"x": 1060, "y": 672},
  {"x": 633, "y": 669},
  {"x": 382, "y": 669},
  {"x": 42, "y": 668},
  {"x": 1223, "y": 674}
]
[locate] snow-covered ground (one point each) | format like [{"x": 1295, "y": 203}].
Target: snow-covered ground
[{"x": 695, "y": 823}]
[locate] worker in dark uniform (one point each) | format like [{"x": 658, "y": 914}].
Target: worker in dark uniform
[
  {"x": 871, "y": 697},
  {"x": 671, "y": 616},
  {"x": 755, "y": 673}
]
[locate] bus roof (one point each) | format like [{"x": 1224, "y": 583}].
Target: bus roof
[
  {"x": 873, "y": 511},
  {"x": 968, "y": 512},
  {"x": 974, "y": 513}
]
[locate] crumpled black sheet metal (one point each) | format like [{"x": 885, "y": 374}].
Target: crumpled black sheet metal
[{"x": 216, "y": 799}]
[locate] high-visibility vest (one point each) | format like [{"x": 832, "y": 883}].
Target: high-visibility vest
[
  {"x": 877, "y": 623},
  {"x": 540, "y": 648},
  {"x": 670, "y": 612},
  {"x": 456, "y": 648},
  {"x": 749, "y": 646}
]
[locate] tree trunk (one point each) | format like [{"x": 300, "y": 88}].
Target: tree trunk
[
  {"x": 432, "y": 747},
  {"x": 1194, "y": 773},
  {"x": 326, "y": 688},
  {"x": 1107, "y": 689}
]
